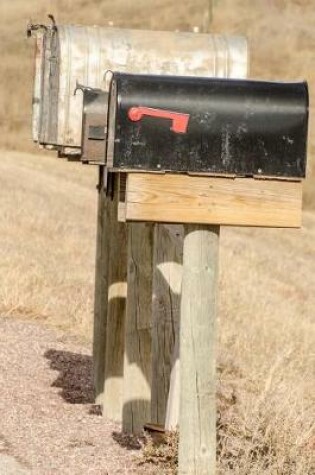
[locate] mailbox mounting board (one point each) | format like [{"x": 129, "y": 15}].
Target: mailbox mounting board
[{"x": 179, "y": 198}]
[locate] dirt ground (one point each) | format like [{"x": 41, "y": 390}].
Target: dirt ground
[{"x": 49, "y": 424}]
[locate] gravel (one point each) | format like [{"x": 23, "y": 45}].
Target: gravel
[{"x": 48, "y": 423}]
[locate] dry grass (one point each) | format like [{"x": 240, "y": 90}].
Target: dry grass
[
  {"x": 47, "y": 236},
  {"x": 264, "y": 427},
  {"x": 164, "y": 456}
]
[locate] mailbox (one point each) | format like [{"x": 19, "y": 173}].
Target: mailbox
[
  {"x": 94, "y": 120},
  {"x": 67, "y": 54},
  {"x": 207, "y": 126}
]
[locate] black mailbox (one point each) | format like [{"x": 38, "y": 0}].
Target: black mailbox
[{"x": 212, "y": 126}]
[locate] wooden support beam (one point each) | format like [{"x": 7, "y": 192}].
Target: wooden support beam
[
  {"x": 176, "y": 198},
  {"x": 112, "y": 400},
  {"x": 137, "y": 367},
  {"x": 110, "y": 304},
  {"x": 167, "y": 273},
  {"x": 173, "y": 400},
  {"x": 197, "y": 445},
  {"x": 101, "y": 290}
]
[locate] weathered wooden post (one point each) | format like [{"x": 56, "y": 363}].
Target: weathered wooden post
[
  {"x": 197, "y": 447},
  {"x": 167, "y": 278},
  {"x": 101, "y": 283},
  {"x": 137, "y": 368},
  {"x": 110, "y": 300},
  {"x": 112, "y": 391}
]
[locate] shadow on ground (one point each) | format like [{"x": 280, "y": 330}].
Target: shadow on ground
[
  {"x": 75, "y": 377},
  {"x": 128, "y": 441}
]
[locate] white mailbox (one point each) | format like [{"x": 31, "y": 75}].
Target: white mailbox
[{"x": 67, "y": 55}]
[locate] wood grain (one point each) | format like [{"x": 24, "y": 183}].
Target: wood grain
[
  {"x": 167, "y": 275},
  {"x": 173, "y": 400},
  {"x": 197, "y": 422},
  {"x": 101, "y": 291},
  {"x": 175, "y": 198},
  {"x": 112, "y": 400},
  {"x": 137, "y": 363},
  {"x": 110, "y": 303}
]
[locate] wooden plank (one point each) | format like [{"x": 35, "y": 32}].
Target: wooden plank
[
  {"x": 112, "y": 397},
  {"x": 193, "y": 199},
  {"x": 137, "y": 365},
  {"x": 101, "y": 291},
  {"x": 167, "y": 274},
  {"x": 173, "y": 400},
  {"x": 197, "y": 444},
  {"x": 109, "y": 305}
]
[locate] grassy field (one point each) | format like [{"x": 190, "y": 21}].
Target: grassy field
[{"x": 47, "y": 234}]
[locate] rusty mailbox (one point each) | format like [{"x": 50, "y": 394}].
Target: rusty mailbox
[{"x": 69, "y": 54}]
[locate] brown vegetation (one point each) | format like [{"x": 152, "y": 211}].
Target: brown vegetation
[{"x": 47, "y": 235}]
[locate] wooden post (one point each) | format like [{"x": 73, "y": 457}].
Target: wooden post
[
  {"x": 137, "y": 368},
  {"x": 173, "y": 401},
  {"x": 110, "y": 303},
  {"x": 167, "y": 273},
  {"x": 112, "y": 399},
  {"x": 197, "y": 444},
  {"x": 101, "y": 290}
]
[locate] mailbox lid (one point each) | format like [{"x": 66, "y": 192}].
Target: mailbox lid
[{"x": 236, "y": 127}]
